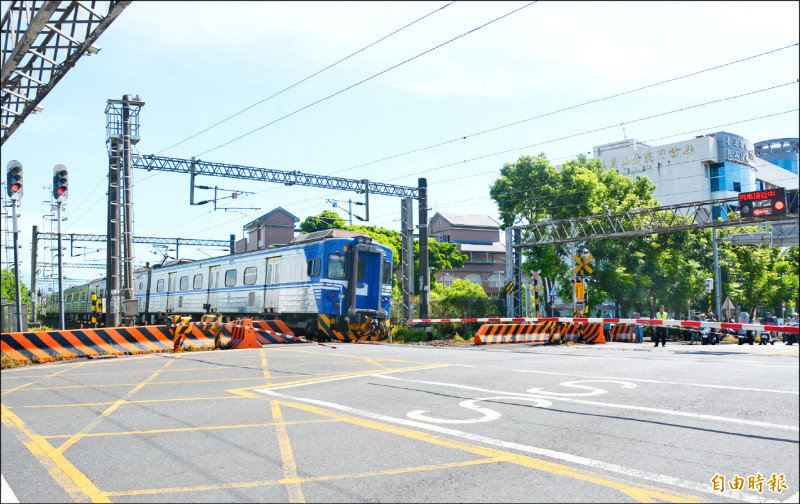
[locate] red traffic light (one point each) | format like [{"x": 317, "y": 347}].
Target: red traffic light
[
  {"x": 779, "y": 205},
  {"x": 62, "y": 190},
  {"x": 15, "y": 187}
]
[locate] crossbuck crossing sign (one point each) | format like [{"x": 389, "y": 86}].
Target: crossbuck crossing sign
[{"x": 583, "y": 264}]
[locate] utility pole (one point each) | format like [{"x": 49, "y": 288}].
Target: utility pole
[
  {"x": 14, "y": 189},
  {"x": 122, "y": 130},
  {"x": 34, "y": 266},
  {"x": 407, "y": 254},
  {"x": 717, "y": 279},
  {"x": 425, "y": 273}
]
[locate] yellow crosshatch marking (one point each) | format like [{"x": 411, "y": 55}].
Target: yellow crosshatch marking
[{"x": 81, "y": 488}]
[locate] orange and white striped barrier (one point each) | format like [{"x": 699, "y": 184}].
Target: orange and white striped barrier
[{"x": 249, "y": 325}]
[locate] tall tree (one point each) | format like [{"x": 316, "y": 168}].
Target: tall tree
[
  {"x": 531, "y": 190},
  {"x": 9, "y": 290}
]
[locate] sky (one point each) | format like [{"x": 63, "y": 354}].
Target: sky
[{"x": 447, "y": 79}]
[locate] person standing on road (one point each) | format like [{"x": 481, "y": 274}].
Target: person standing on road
[{"x": 661, "y": 331}]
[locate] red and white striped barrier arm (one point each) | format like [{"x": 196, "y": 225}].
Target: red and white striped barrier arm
[
  {"x": 258, "y": 329},
  {"x": 651, "y": 322}
]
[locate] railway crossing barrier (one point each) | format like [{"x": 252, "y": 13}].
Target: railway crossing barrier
[
  {"x": 591, "y": 329},
  {"x": 515, "y": 333},
  {"x": 44, "y": 346}
]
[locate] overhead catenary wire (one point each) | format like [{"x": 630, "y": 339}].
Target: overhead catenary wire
[
  {"x": 571, "y": 107},
  {"x": 506, "y": 151},
  {"x": 365, "y": 80},
  {"x": 307, "y": 78},
  {"x": 472, "y": 202},
  {"x": 673, "y": 79}
]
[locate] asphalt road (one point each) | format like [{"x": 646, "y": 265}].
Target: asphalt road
[{"x": 376, "y": 422}]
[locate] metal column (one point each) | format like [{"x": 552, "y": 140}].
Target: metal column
[
  {"x": 16, "y": 266},
  {"x": 127, "y": 205},
  {"x": 113, "y": 237},
  {"x": 407, "y": 254},
  {"x": 34, "y": 292},
  {"x": 424, "y": 272},
  {"x": 61, "y": 322}
]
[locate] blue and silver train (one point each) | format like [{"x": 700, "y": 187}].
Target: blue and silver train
[{"x": 330, "y": 284}]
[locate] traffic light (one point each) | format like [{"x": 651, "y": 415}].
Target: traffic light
[
  {"x": 14, "y": 179},
  {"x": 60, "y": 189}
]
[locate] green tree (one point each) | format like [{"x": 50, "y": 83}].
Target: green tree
[
  {"x": 531, "y": 190},
  {"x": 8, "y": 287},
  {"x": 464, "y": 289},
  {"x": 326, "y": 220}
]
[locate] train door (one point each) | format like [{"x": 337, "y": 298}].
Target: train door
[
  {"x": 171, "y": 293},
  {"x": 213, "y": 284},
  {"x": 368, "y": 280},
  {"x": 272, "y": 279}
]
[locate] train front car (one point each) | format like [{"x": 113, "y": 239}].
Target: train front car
[{"x": 355, "y": 289}]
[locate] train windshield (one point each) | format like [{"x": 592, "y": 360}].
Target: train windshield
[
  {"x": 387, "y": 272},
  {"x": 336, "y": 270}
]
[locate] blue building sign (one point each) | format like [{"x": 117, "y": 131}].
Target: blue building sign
[{"x": 735, "y": 149}]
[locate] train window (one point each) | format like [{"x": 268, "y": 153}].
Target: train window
[
  {"x": 387, "y": 272},
  {"x": 184, "y": 285},
  {"x": 313, "y": 267},
  {"x": 141, "y": 286},
  {"x": 249, "y": 275},
  {"x": 362, "y": 268},
  {"x": 160, "y": 285},
  {"x": 336, "y": 267},
  {"x": 230, "y": 278},
  {"x": 197, "y": 283}
]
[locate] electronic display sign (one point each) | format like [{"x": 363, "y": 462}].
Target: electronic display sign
[{"x": 766, "y": 202}]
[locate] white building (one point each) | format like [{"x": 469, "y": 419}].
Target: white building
[{"x": 715, "y": 166}]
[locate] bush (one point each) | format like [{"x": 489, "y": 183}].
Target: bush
[{"x": 402, "y": 334}]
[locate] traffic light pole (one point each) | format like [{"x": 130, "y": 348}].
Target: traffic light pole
[
  {"x": 16, "y": 267},
  {"x": 61, "y": 324}
]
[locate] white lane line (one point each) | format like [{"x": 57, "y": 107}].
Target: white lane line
[
  {"x": 566, "y": 457},
  {"x": 661, "y": 382},
  {"x": 6, "y": 495},
  {"x": 743, "y": 421}
]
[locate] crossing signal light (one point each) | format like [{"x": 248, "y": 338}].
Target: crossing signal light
[
  {"x": 60, "y": 188},
  {"x": 14, "y": 180}
]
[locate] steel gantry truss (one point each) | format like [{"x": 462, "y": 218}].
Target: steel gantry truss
[
  {"x": 41, "y": 41},
  {"x": 638, "y": 222},
  {"x": 195, "y": 167},
  {"x": 152, "y": 240}
]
